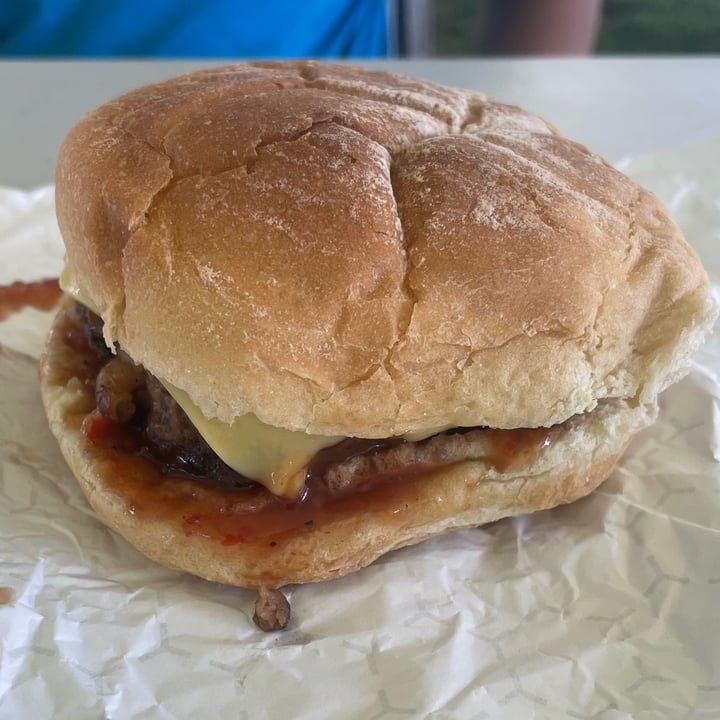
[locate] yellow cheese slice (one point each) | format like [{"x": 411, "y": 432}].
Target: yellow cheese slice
[
  {"x": 68, "y": 284},
  {"x": 275, "y": 457}
]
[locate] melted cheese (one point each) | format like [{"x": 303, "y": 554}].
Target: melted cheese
[
  {"x": 69, "y": 284},
  {"x": 275, "y": 457}
]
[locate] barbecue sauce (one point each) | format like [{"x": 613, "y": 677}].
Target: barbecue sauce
[{"x": 42, "y": 295}]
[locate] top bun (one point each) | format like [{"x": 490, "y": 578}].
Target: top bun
[{"x": 351, "y": 252}]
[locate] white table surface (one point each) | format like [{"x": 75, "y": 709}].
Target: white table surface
[{"x": 617, "y": 106}]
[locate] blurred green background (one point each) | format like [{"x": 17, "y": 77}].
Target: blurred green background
[{"x": 627, "y": 26}]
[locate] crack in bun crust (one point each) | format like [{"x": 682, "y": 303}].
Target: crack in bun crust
[{"x": 350, "y": 252}]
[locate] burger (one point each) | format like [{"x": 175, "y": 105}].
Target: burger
[{"x": 315, "y": 313}]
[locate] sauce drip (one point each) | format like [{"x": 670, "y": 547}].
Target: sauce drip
[
  {"x": 42, "y": 295},
  {"x": 516, "y": 448}
]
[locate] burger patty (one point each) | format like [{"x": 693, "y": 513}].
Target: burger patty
[
  {"x": 121, "y": 383},
  {"x": 129, "y": 395}
]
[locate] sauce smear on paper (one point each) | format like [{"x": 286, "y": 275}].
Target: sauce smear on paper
[
  {"x": 42, "y": 295},
  {"x": 7, "y": 595}
]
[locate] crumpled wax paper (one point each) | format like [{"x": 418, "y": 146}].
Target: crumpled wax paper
[{"x": 608, "y": 608}]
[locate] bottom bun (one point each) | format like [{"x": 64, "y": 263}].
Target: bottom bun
[{"x": 213, "y": 532}]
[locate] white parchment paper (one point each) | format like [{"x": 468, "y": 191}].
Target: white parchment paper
[{"x": 608, "y": 608}]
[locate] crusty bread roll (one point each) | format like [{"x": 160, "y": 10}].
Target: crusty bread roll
[{"x": 354, "y": 253}]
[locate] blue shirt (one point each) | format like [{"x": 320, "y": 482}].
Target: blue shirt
[{"x": 194, "y": 28}]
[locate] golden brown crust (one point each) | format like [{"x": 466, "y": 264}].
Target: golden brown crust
[
  {"x": 459, "y": 496},
  {"x": 357, "y": 253}
]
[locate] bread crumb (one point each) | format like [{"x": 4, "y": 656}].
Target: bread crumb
[{"x": 272, "y": 610}]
